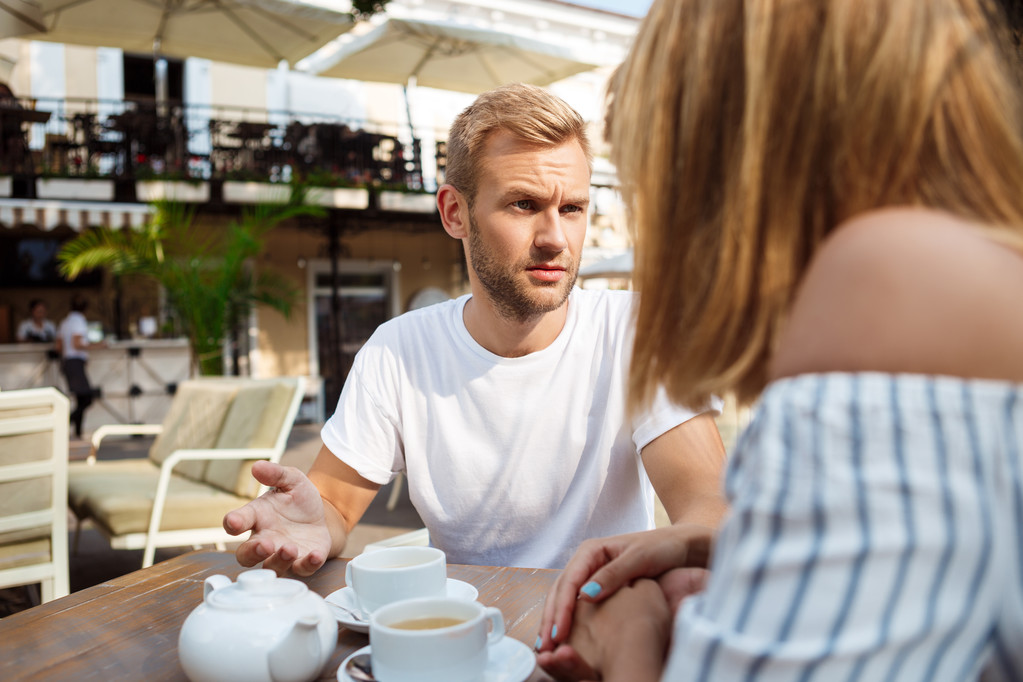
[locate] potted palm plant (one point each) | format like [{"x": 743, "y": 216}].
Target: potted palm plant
[{"x": 207, "y": 275}]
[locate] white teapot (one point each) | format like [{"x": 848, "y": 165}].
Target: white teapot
[{"x": 259, "y": 629}]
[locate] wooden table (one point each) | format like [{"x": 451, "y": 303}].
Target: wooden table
[{"x": 127, "y": 628}]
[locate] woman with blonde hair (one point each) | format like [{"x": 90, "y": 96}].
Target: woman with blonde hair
[{"x": 829, "y": 215}]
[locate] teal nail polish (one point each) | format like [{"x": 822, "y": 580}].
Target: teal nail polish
[
  {"x": 539, "y": 642},
  {"x": 554, "y": 632},
  {"x": 591, "y": 589}
]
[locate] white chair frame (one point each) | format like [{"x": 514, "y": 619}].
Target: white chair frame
[
  {"x": 52, "y": 575},
  {"x": 155, "y": 538}
]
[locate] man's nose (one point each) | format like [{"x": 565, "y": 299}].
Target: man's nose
[{"x": 550, "y": 232}]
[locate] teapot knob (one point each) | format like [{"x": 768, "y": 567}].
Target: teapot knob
[
  {"x": 297, "y": 657},
  {"x": 214, "y": 582}
]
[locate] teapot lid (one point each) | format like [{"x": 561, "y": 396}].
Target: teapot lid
[{"x": 256, "y": 589}]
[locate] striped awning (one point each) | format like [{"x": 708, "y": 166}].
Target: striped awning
[{"x": 77, "y": 215}]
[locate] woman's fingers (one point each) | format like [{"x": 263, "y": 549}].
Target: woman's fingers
[
  {"x": 649, "y": 555},
  {"x": 556, "y": 622},
  {"x": 603, "y": 566}
]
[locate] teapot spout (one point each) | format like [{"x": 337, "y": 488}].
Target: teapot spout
[{"x": 298, "y": 657}]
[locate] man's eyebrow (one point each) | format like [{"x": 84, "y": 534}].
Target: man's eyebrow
[
  {"x": 529, "y": 193},
  {"x": 521, "y": 191}
]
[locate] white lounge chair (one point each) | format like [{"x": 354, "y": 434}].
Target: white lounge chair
[{"x": 197, "y": 470}]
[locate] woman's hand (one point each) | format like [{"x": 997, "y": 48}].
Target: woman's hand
[{"x": 602, "y": 566}]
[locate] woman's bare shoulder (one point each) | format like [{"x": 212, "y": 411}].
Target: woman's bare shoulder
[{"x": 908, "y": 290}]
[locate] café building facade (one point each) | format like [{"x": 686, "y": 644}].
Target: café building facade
[{"x": 102, "y": 146}]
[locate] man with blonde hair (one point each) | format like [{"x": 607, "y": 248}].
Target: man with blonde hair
[{"x": 506, "y": 408}]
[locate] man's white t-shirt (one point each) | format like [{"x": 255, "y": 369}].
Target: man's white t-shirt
[
  {"x": 73, "y": 325},
  {"x": 510, "y": 461}
]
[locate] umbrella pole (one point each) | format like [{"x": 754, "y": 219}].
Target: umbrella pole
[
  {"x": 160, "y": 78},
  {"x": 411, "y": 130},
  {"x": 408, "y": 112}
]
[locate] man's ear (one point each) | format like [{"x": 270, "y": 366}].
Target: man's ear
[{"x": 454, "y": 211}]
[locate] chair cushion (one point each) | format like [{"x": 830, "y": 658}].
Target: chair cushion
[
  {"x": 254, "y": 421},
  {"x": 27, "y": 553},
  {"x": 25, "y": 495},
  {"x": 118, "y": 495},
  {"x": 26, "y": 447},
  {"x": 194, "y": 421}
]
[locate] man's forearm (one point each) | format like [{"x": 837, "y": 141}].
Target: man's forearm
[
  {"x": 345, "y": 496},
  {"x": 706, "y": 509}
]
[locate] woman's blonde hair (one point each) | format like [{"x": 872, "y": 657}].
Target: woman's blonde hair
[{"x": 744, "y": 131}]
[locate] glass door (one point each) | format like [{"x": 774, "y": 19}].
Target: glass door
[{"x": 366, "y": 297}]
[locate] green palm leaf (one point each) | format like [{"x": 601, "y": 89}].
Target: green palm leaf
[{"x": 208, "y": 275}]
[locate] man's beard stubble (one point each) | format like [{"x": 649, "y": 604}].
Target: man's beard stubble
[{"x": 513, "y": 299}]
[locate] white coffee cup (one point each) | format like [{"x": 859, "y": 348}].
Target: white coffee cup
[
  {"x": 437, "y": 639},
  {"x": 395, "y": 573}
]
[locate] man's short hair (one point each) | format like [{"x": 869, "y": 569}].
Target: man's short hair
[{"x": 530, "y": 113}]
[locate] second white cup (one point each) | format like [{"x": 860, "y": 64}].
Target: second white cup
[
  {"x": 433, "y": 640},
  {"x": 396, "y": 573}
]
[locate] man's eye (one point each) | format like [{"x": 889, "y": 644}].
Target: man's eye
[
  {"x": 524, "y": 204},
  {"x": 571, "y": 209}
]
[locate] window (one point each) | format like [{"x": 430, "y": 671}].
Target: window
[
  {"x": 140, "y": 78},
  {"x": 32, "y": 262}
]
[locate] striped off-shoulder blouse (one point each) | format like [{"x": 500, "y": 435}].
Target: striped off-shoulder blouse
[{"x": 876, "y": 533}]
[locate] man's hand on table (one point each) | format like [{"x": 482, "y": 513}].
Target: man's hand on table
[
  {"x": 623, "y": 638},
  {"x": 288, "y": 523}
]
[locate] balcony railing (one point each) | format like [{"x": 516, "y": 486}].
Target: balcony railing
[{"x": 130, "y": 141}]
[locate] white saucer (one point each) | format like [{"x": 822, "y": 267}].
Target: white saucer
[
  {"x": 508, "y": 661},
  {"x": 345, "y": 598}
]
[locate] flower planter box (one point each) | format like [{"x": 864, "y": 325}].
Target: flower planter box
[
  {"x": 172, "y": 190},
  {"x": 338, "y": 197},
  {"x": 77, "y": 189},
  {"x": 411, "y": 203},
  {"x": 236, "y": 192}
]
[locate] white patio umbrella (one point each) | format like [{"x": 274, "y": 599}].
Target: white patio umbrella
[
  {"x": 249, "y": 32},
  {"x": 18, "y": 17},
  {"x": 613, "y": 267},
  {"x": 454, "y": 56}
]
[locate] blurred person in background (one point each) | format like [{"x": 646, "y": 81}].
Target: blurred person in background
[
  {"x": 73, "y": 343},
  {"x": 37, "y": 328}
]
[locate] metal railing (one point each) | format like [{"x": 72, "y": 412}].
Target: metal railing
[{"x": 134, "y": 140}]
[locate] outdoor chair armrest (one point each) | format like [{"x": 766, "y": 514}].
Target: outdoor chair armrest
[
  {"x": 165, "y": 476},
  {"x": 213, "y": 454},
  {"x": 120, "y": 430},
  {"x": 217, "y": 453}
]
